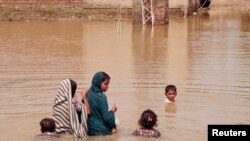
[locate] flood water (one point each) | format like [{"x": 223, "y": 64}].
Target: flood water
[{"x": 207, "y": 57}]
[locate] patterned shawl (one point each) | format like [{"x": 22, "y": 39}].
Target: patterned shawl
[{"x": 65, "y": 114}]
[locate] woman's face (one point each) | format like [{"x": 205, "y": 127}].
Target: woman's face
[{"x": 105, "y": 85}]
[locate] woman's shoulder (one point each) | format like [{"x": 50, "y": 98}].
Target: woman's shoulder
[
  {"x": 102, "y": 95},
  {"x": 95, "y": 94}
]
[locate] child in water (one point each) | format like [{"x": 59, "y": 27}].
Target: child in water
[
  {"x": 47, "y": 128},
  {"x": 147, "y": 121},
  {"x": 170, "y": 93}
]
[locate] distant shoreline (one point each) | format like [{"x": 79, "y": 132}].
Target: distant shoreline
[
  {"x": 52, "y": 13},
  {"x": 69, "y": 12}
]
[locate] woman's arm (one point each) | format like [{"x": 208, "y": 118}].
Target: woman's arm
[
  {"x": 108, "y": 116},
  {"x": 84, "y": 93}
]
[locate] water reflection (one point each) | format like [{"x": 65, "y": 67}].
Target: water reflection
[
  {"x": 207, "y": 58},
  {"x": 150, "y": 54}
]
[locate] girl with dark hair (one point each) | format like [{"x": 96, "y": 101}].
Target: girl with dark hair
[
  {"x": 147, "y": 122},
  {"x": 101, "y": 120}
]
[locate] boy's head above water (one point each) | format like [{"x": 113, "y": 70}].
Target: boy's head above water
[{"x": 170, "y": 93}]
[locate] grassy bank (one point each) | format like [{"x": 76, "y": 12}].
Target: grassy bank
[{"x": 52, "y": 13}]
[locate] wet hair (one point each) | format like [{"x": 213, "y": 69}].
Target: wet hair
[
  {"x": 170, "y": 87},
  {"x": 47, "y": 125},
  {"x": 105, "y": 76},
  {"x": 148, "y": 119},
  {"x": 73, "y": 87}
]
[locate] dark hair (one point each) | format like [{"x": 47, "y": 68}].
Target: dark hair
[
  {"x": 105, "y": 76},
  {"x": 47, "y": 125},
  {"x": 148, "y": 119},
  {"x": 73, "y": 87},
  {"x": 170, "y": 87}
]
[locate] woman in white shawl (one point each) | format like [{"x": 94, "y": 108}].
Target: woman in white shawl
[{"x": 70, "y": 116}]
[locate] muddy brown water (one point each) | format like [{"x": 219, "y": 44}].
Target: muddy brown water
[{"x": 207, "y": 57}]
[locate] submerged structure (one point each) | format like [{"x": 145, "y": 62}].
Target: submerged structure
[{"x": 158, "y": 11}]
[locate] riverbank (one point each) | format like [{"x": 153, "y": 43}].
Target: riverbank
[
  {"x": 68, "y": 10},
  {"x": 52, "y": 13},
  {"x": 51, "y": 10}
]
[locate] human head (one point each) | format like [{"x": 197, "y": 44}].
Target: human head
[
  {"x": 47, "y": 125},
  {"x": 100, "y": 81},
  {"x": 170, "y": 92},
  {"x": 73, "y": 87},
  {"x": 148, "y": 119}
]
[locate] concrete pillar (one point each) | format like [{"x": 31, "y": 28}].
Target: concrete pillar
[{"x": 136, "y": 12}]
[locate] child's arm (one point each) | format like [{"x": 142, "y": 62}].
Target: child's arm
[{"x": 84, "y": 93}]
